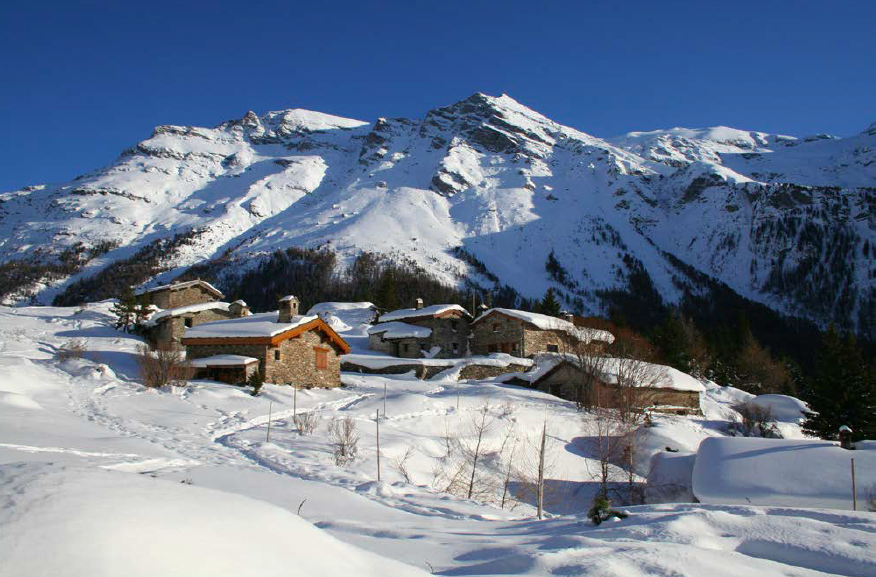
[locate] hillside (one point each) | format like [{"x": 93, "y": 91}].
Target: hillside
[{"x": 482, "y": 191}]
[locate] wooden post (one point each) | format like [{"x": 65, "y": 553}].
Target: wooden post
[
  {"x": 295, "y": 402},
  {"x": 541, "y": 470},
  {"x": 384, "y": 399},
  {"x": 854, "y": 491},
  {"x": 377, "y": 423},
  {"x": 270, "y": 410},
  {"x": 457, "y": 394}
]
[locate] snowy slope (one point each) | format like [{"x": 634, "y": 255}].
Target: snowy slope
[
  {"x": 92, "y": 463},
  {"x": 505, "y": 183}
]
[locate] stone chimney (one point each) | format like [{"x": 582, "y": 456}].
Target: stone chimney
[
  {"x": 239, "y": 309},
  {"x": 845, "y": 438},
  {"x": 567, "y": 316},
  {"x": 419, "y": 304},
  {"x": 288, "y": 309}
]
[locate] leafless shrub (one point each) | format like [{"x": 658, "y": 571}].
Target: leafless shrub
[
  {"x": 757, "y": 421},
  {"x": 74, "y": 349},
  {"x": 470, "y": 470},
  {"x": 344, "y": 439},
  {"x": 306, "y": 423},
  {"x": 162, "y": 366},
  {"x": 400, "y": 464},
  {"x": 506, "y": 409}
]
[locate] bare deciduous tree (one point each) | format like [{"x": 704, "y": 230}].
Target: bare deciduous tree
[
  {"x": 344, "y": 439},
  {"x": 162, "y": 366}
]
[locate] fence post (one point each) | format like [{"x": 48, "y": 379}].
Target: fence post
[
  {"x": 270, "y": 409},
  {"x": 854, "y": 491},
  {"x": 377, "y": 422}
]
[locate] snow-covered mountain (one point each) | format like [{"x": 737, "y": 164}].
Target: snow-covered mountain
[{"x": 788, "y": 222}]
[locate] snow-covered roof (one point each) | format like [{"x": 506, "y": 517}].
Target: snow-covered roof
[
  {"x": 429, "y": 311},
  {"x": 666, "y": 377},
  {"x": 780, "y": 472},
  {"x": 222, "y": 361},
  {"x": 240, "y": 302},
  {"x": 258, "y": 325},
  {"x": 397, "y": 330},
  {"x": 180, "y": 286},
  {"x": 288, "y": 298},
  {"x": 178, "y": 311},
  {"x": 546, "y": 322}
]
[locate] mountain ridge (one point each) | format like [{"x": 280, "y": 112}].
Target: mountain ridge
[{"x": 783, "y": 221}]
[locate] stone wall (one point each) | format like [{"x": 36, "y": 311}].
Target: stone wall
[
  {"x": 471, "y": 371},
  {"x": 297, "y": 362},
  {"x": 446, "y": 332},
  {"x": 495, "y": 333},
  {"x": 477, "y": 372},
  {"x": 169, "y": 331},
  {"x": 203, "y": 351},
  {"x": 171, "y": 299},
  {"x": 231, "y": 375}
]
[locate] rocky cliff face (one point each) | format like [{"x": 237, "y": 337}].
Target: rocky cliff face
[{"x": 788, "y": 222}]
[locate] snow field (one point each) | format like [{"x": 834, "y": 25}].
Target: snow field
[{"x": 93, "y": 472}]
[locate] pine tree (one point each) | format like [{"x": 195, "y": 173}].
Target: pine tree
[
  {"x": 549, "y": 305},
  {"x": 842, "y": 390},
  {"x": 125, "y": 310},
  {"x": 142, "y": 310}
]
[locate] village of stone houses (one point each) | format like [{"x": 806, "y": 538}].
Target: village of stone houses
[{"x": 433, "y": 438}]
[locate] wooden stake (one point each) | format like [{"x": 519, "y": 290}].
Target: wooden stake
[
  {"x": 854, "y": 491},
  {"x": 384, "y": 399},
  {"x": 377, "y": 422},
  {"x": 295, "y": 402},
  {"x": 270, "y": 410}
]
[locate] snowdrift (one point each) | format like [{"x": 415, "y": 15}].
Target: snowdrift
[
  {"x": 754, "y": 471},
  {"x": 109, "y": 523}
]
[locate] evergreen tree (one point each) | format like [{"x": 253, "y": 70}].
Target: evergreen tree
[
  {"x": 842, "y": 390},
  {"x": 142, "y": 310},
  {"x": 387, "y": 293},
  {"x": 125, "y": 310},
  {"x": 549, "y": 305}
]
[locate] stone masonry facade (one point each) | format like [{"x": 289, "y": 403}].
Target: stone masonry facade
[
  {"x": 503, "y": 334},
  {"x": 171, "y": 299},
  {"x": 450, "y": 333},
  {"x": 292, "y": 361},
  {"x": 169, "y": 331}
]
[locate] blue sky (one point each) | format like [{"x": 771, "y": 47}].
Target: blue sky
[{"x": 84, "y": 80}]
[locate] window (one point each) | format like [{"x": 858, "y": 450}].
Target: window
[
  {"x": 553, "y": 349},
  {"x": 492, "y": 348},
  {"x": 514, "y": 347},
  {"x": 321, "y": 359},
  {"x": 506, "y": 347},
  {"x": 495, "y": 327},
  {"x": 188, "y": 322},
  {"x": 405, "y": 347},
  {"x": 454, "y": 325},
  {"x": 455, "y": 348},
  {"x": 277, "y": 355}
]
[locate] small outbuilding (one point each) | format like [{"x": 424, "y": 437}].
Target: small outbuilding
[
  {"x": 290, "y": 348},
  {"x": 437, "y": 331},
  {"x": 665, "y": 389}
]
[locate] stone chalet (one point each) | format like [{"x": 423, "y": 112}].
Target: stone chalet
[
  {"x": 437, "y": 331},
  {"x": 287, "y": 347},
  {"x": 562, "y": 376},
  {"x": 181, "y": 294},
  {"x": 165, "y": 329},
  {"x": 523, "y": 334}
]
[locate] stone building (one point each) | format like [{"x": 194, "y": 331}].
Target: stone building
[
  {"x": 290, "y": 348},
  {"x": 665, "y": 390},
  {"x": 165, "y": 329},
  {"x": 437, "y": 331},
  {"x": 181, "y": 294},
  {"x": 524, "y": 334}
]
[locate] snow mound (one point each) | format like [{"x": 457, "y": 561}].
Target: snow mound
[
  {"x": 73, "y": 522},
  {"x": 350, "y": 314},
  {"x": 754, "y": 471},
  {"x": 783, "y": 408}
]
